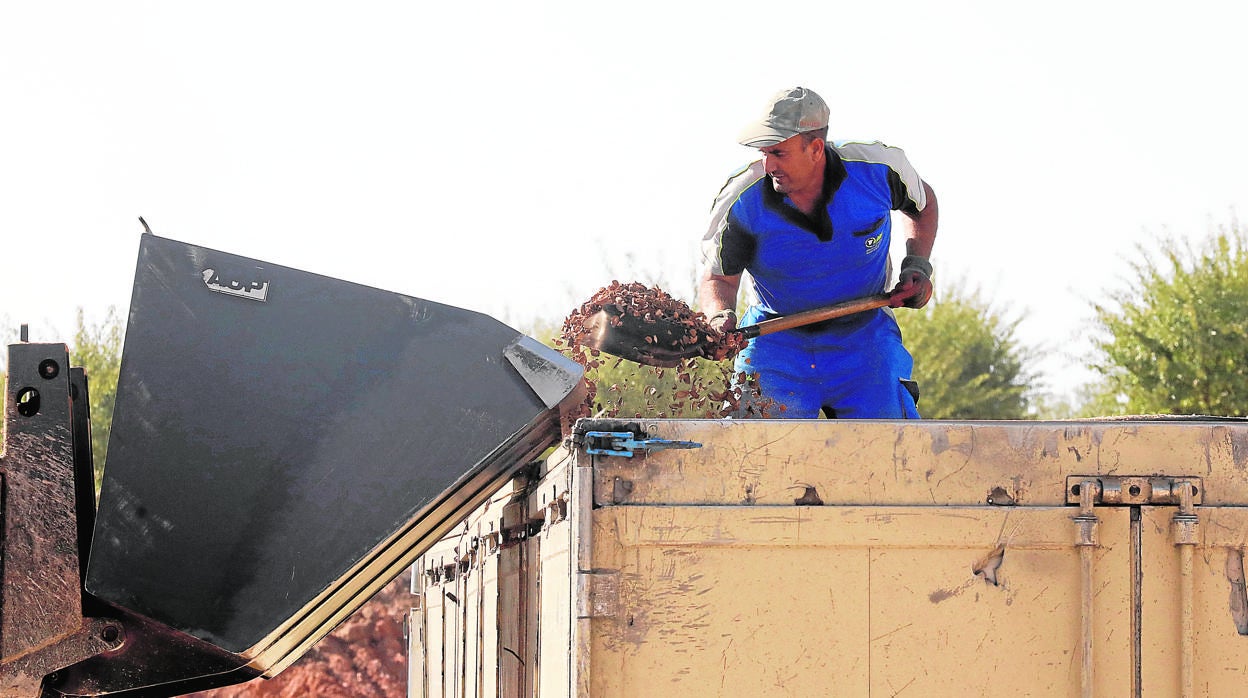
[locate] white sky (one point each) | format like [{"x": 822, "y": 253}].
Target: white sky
[{"x": 513, "y": 157}]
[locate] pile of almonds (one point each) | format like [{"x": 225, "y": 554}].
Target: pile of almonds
[
  {"x": 653, "y": 305},
  {"x": 703, "y": 389}
]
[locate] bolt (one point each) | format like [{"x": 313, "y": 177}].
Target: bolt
[{"x": 112, "y": 635}]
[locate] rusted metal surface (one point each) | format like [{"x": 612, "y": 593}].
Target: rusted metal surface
[
  {"x": 41, "y": 624},
  {"x": 143, "y": 658},
  {"x": 43, "y": 499},
  {"x": 28, "y": 675},
  {"x": 42, "y": 601}
]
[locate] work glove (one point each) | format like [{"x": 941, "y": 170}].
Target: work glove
[
  {"x": 914, "y": 283},
  {"x": 723, "y": 321}
]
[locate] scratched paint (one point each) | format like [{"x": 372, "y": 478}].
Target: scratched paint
[{"x": 905, "y": 581}]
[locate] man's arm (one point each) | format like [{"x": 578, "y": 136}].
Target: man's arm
[
  {"x": 718, "y": 293},
  {"x": 914, "y": 283},
  {"x": 921, "y": 232}
]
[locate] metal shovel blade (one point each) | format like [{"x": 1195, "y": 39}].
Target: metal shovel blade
[
  {"x": 666, "y": 343},
  {"x": 663, "y": 343}
]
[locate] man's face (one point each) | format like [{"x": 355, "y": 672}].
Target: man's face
[{"x": 793, "y": 165}]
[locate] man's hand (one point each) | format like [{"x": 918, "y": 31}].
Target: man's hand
[
  {"x": 724, "y": 321},
  {"x": 914, "y": 283}
]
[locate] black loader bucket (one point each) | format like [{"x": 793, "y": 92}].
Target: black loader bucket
[{"x": 283, "y": 445}]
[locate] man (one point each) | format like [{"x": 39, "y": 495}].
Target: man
[{"x": 810, "y": 221}]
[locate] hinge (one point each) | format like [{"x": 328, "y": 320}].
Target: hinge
[
  {"x": 514, "y": 535},
  {"x": 1112, "y": 490},
  {"x": 624, "y": 443}
]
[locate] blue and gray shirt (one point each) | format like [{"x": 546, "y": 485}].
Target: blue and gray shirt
[{"x": 798, "y": 262}]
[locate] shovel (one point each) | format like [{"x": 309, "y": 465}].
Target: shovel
[{"x": 666, "y": 343}]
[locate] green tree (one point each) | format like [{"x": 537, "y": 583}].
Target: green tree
[
  {"x": 698, "y": 389},
  {"x": 1172, "y": 341},
  {"x": 97, "y": 349},
  {"x": 967, "y": 359}
]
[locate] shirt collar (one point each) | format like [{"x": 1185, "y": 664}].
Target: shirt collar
[{"x": 833, "y": 174}]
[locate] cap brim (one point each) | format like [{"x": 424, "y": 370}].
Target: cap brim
[{"x": 762, "y": 135}]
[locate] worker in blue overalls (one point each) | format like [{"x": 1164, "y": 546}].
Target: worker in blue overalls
[{"x": 811, "y": 224}]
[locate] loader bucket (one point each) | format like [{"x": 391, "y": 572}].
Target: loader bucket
[{"x": 284, "y": 444}]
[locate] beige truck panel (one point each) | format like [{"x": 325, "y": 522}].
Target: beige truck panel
[
  {"x": 813, "y": 558},
  {"x": 920, "y": 463},
  {"x": 856, "y": 600},
  {"x": 1194, "y": 613}
]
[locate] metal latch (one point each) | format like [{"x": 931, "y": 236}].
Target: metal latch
[
  {"x": 624, "y": 443},
  {"x": 1109, "y": 490}
]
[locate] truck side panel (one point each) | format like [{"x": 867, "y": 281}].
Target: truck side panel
[
  {"x": 869, "y": 600},
  {"x": 745, "y": 558}
]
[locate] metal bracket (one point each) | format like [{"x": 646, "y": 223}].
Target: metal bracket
[
  {"x": 624, "y": 443},
  {"x": 598, "y": 594},
  {"x": 1113, "y": 490}
]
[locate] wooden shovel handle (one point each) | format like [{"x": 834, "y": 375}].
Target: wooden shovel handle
[{"x": 808, "y": 317}]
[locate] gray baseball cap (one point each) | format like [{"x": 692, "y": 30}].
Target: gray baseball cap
[{"x": 790, "y": 112}]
